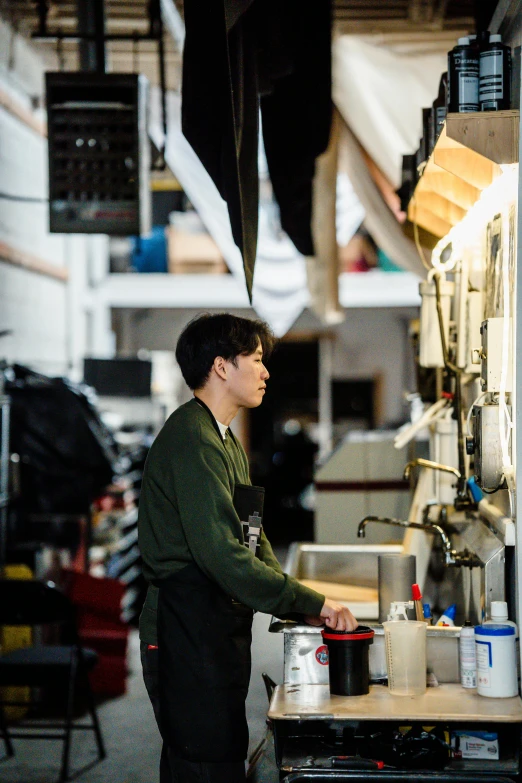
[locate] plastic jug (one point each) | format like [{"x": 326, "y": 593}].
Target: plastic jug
[{"x": 405, "y": 642}]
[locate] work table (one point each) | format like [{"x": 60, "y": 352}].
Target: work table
[{"x": 448, "y": 702}]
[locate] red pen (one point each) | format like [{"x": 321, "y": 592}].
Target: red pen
[{"x": 417, "y": 598}]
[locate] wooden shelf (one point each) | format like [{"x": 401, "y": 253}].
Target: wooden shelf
[
  {"x": 448, "y": 702},
  {"x": 466, "y": 159},
  {"x": 492, "y": 134}
]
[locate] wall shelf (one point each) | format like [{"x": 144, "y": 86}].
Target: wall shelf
[
  {"x": 168, "y": 291},
  {"x": 492, "y": 134},
  {"x": 466, "y": 159}
]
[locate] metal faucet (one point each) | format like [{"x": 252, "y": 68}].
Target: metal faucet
[
  {"x": 427, "y": 463},
  {"x": 451, "y": 556}
]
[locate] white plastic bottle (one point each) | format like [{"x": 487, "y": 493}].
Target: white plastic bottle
[
  {"x": 468, "y": 658},
  {"x": 496, "y": 665},
  {"x": 499, "y": 614}
]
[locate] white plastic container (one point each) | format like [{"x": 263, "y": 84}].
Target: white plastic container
[
  {"x": 468, "y": 658},
  {"x": 499, "y": 614},
  {"x": 405, "y": 642},
  {"x": 444, "y": 450},
  {"x": 430, "y": 351},
  {"x": 496, "y": 660}
]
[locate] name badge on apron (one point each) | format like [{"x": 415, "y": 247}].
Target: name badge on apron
[{"x": 249, "y": 502}]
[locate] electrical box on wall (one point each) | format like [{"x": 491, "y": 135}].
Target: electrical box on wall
[
  {"x": 472, "y": 341},
  {"x": 490, "y": 355},
  {"x": 486, "y": 447},
  {"x": 444, "y": 450},
  {"x": 99, "y": 153},
  {"x": 430, "y": 353}
]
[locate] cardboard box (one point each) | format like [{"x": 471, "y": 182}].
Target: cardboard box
[
  {"x": 193, "y": 253},
  {"x": 475, "y": 745}
]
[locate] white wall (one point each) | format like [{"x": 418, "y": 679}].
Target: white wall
[
  {"x": 49, "y": 317},
  {"x": 31, "y": 305},
  {"x": 370, "y": 343},
  {"x": 156, "y": 330}
]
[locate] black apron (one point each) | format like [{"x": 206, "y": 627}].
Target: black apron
[
  {"x": 204, "y": 640},
  {"x": 204, "y": 660}
]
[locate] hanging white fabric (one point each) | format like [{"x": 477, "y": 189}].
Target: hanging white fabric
[
  {"x": 380, "y": 91},
  {"x": 380, "y": 220},
  {"x": 280, "y": 287}
]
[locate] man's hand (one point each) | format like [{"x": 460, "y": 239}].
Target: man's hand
[{"x": 335, "y": 616}]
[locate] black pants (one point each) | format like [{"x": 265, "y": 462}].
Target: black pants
[{"x": 177, "y": 770}]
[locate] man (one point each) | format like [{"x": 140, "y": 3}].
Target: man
[{"x": 195, "y": 627}]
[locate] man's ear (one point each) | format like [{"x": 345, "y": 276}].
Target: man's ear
[{"x": 220, "y": 367}]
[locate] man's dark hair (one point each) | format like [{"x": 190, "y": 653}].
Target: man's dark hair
[{"x": 208, "y": 336}]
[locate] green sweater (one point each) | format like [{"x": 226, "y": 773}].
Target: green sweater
[{"x": 187, "y": 515}]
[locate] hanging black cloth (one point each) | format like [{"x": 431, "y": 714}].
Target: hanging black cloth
[
  {"x": 236, "y": 50},
  {"x": 296, "y": 105},
  {"x": 67, "y": 455}
]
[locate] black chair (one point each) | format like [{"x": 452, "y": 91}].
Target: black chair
[
  {"x": 33, "y": 603},
  {"x": 270, "y": 685}
]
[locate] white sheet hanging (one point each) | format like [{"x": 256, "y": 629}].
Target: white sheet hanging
[
  {"x": 381, "y": 92},
  {"x": 380, "y": 220}
]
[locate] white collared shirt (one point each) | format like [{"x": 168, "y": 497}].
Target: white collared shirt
[{"x": 223, "y": 429}]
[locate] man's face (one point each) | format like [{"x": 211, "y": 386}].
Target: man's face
[{"x": 247, "y": 379}]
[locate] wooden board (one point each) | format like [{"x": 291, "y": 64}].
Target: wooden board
[
  {"x": 466, "y": 159},
  {"x": 448, "y": 702},
  {"x": 436, "y": 180},
  {"x": 443, "y": 208},
  {"x": 419, "y": 212},
  {"x": 467, "y": 164},
  {"x": 493, "y": 134},
  {"x": 15, "y": 257},
  {"x": 342, "y": 592}
]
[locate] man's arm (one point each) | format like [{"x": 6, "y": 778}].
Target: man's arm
[
  {"x": 204, "y": 497},
  {"x": 266, "y": 554}
]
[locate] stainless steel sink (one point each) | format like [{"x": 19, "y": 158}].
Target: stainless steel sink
[{"x": 353, "y": 564}]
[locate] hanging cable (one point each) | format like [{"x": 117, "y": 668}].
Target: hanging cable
[
  {"x": 505, "y": 422},
  {"x": 418, "y": 245},
  {"x": 135, "y": 53},
  {"x": 27, "y": 199},
  {"x": 452, "y": 368},
  {"x": 470, "y": 412},
  {"x": 59, "y": 51},
  {"x": 456, "y": 372}
]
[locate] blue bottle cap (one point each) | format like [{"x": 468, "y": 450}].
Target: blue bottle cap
[
  {"x": 451, "y": 611},
  {"x": 426, "y": 611}
]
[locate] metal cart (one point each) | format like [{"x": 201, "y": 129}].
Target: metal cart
[{"x": 315, "y": 733}]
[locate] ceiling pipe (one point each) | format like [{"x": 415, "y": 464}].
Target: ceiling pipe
[{"x": 91, "y": 24}]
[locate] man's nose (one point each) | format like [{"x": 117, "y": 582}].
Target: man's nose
[{"x": 265, "y": 375}]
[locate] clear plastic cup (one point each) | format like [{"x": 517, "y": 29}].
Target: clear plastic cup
[{"x": 405, "y": 642}]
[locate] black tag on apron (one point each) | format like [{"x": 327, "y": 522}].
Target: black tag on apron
[{"x": 249, "y": 502}]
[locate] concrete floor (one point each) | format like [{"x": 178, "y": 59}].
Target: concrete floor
[{"x": 129, "y": 729}]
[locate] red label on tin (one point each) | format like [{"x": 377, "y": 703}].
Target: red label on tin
[{"x": 321, "y": 655}]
